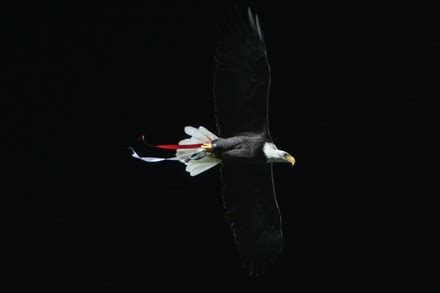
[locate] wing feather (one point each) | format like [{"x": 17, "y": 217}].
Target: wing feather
[
  {"x": 242, "y": 78},
  {"x": 249, "y": 197}
]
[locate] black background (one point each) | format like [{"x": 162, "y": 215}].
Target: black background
[{"x": 352, "y": 98}]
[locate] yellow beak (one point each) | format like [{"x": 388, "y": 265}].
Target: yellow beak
[{"x": 290, "y": 159}]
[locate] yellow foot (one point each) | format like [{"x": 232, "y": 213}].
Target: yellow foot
[{"x": 207, "y": 147}]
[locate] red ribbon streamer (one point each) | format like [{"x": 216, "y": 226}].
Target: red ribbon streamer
[
  {"x": 178, "y": 146},
  {"x": 172, "y": 146}
]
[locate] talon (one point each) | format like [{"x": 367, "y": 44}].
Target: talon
[{"x": 207, "y": 147}]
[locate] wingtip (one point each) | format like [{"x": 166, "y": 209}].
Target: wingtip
[
  {"x": 259, "y": 30},
  {"x": 255, "y": 25},
  {"x": 251, "y": 20}
]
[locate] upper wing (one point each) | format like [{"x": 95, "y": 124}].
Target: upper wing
[
  {"x": 242, "y": 78},
  {"x": 253, "y": 213}
]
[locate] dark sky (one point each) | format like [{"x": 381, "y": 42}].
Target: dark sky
[{"x": 352, "y": 98}]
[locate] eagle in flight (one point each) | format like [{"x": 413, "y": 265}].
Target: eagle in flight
[{"x": 244, "y": 146}]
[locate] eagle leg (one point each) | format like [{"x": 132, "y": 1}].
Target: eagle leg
[
  {"x": 196, "y": 156},
  {"x": 207, "y": 147}
]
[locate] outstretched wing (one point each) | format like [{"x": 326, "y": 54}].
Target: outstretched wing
[
  {"x": 253, "y": 213},
  {"x": 242, "y": 78}
]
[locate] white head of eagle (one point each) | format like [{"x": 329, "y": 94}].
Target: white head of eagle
[{"x": 274, "y": 155}]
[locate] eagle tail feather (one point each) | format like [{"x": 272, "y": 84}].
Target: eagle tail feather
[{"x": 197, "y": 160}]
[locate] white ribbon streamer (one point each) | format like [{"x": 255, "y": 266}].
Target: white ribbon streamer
[{"x": 151, "y": 159}]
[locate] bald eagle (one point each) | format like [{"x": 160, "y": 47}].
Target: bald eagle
[{"x": 244, "y": 147}]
